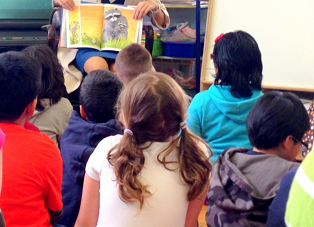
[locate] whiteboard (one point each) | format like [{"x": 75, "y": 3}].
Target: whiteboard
[{"x": 284, "y": 31}]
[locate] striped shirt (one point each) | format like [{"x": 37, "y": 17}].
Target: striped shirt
[{"x": 300, "y": 205}]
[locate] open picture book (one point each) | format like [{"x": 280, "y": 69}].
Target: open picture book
[{"x": 100, "y": 26}]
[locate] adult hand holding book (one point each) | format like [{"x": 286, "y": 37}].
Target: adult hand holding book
[
  {"x": 66, "y": 4},
  {"x": 144, "y": 7}
]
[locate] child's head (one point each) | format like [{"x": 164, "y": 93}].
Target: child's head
[
  {"x": 238, "y": 62},
  {"x": 153, "y": 109},
  {"x": 131, "y": 61},
  {"x": 152, "y": 106},
  {"x": 19, "y": 84},
  {"x": 52, "y": 79},
  {"x": 99, "y": 92},
  {"x": 275, "y": 117}
]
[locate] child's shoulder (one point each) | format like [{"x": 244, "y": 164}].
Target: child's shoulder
[
  {"x": 203, "y": 147},
  {"x": 109, "y": 142},
  {"x": 104, "y": 146}
]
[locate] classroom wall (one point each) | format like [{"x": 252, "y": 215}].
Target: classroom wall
[{"x": 284, "y": 30}]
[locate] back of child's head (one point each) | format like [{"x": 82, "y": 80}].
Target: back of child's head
[
  {"x": 238, "y": 60},
  {"x": 153, "y": 109},
  {"x": 52, "y": 79},
  {"x": 131, "y": 61},
  {"x": 99, "y": 92},
  {"x": 19, "y": 84},
  {"x": 274, "y": 117}
]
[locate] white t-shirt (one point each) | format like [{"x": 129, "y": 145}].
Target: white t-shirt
[{"x": 166, "y": 207}]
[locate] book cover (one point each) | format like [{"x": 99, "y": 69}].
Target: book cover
[{"x": 100, "y": 26}]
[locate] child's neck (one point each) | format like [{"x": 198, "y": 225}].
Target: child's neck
[
  {"x": 22, "y": 119},
  {"x": 277, "y": 151}
]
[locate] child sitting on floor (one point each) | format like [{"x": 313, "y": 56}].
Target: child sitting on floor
[
  {"x": 98, "y": 95},
  {"x": 53, "y": 111},
  {"x": 32, "y": 165},
  {"x": 301, "y": 202},
  {"x": 218, "y": 115},
  {"x": 157, "y": 173},
  {"x": 245, "y": 181}
]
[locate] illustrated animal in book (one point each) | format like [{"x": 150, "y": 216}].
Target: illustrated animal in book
[{"x": 116, "y": 25}]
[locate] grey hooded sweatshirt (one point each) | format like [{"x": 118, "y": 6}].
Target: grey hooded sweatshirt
[
  {"x": 243, "y": 186},
  {"x": 54, "y": 119}
]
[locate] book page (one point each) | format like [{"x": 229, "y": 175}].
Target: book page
[
  {"x": 85, "y": 24},
  {"x": 119, "y": 29}
]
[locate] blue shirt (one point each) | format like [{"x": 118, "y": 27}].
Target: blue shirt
[
  {"x": 220, "y": 119},
  {"x": 121, "y": 2},
  {"x": 277, "y": 209}
]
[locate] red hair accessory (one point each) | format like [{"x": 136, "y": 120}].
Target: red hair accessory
[{"x": 219, "y": 37}]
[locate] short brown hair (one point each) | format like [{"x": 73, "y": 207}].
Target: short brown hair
[{"x": 131, "y": 61}]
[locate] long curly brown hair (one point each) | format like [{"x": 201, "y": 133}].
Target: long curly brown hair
[{"x": 152, "y": 106}]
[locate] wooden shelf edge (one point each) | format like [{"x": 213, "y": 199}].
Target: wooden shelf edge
[
  {"x": 183, "y": 6},
  {"x": 207, "y": 83},
  {"x": 274, "y": 87},
  {"x": 174, "y": 58}
]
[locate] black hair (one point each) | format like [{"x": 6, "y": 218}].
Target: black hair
[
  {"x": 19, "y": 84},
  {"x": 274, "y": 117},
  {"x": 99, "y": 93},
  {"x": 239, "y": 62},
  {"x": 52, "y": 79}
]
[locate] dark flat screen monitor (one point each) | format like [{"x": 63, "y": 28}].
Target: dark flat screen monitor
[
  {"x": 22, "y": 14},
  {"x": 21, "y": 22}
]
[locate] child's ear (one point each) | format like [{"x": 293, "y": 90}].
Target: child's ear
[
  {"x": 83, "y": 113},
  {"x": 120, "y": 78},
  {"x": 288, "y": 142},
  {"x": 31, "y": 107},
  {"x": 290, "y": 150},
  {"x": 216, "y": 70},
  {"x": 118, "y": 75}
]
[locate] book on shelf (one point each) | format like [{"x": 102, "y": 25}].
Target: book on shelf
[{"x": 100, "y": 26}]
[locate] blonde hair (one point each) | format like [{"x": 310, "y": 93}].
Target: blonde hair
[{"x": 152, "y": 106}]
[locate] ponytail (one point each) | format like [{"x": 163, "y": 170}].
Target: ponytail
[
  {"x": 195, "y": 166},
  {"x": 128, "y": 161}
]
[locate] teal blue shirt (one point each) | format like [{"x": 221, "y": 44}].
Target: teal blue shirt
[{"x": 220, "y": 119}]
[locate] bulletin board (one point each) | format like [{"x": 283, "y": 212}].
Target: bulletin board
[{"x": 284, "y": 31}]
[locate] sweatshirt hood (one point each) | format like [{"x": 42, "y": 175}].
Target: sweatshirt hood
[
  {"x": 234, "y": 108},
  {"x": 238, "y": 181},
  {"x": 79, "y": 141}
]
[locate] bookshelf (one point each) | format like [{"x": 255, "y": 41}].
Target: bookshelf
[{"x": 195, "y": 13}]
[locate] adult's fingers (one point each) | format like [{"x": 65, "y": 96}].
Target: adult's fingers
[
  {"x": 67, "y": 4},
  {"x": 141, "y": 10}
]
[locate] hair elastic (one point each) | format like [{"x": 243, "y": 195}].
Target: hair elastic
[
  {"x": 128, "y": 131},
  {"x": 183, "y": 125},
  {"x": 219, "y": 37}
]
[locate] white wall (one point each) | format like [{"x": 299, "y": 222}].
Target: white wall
[{"x": 284, "y": 31}]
